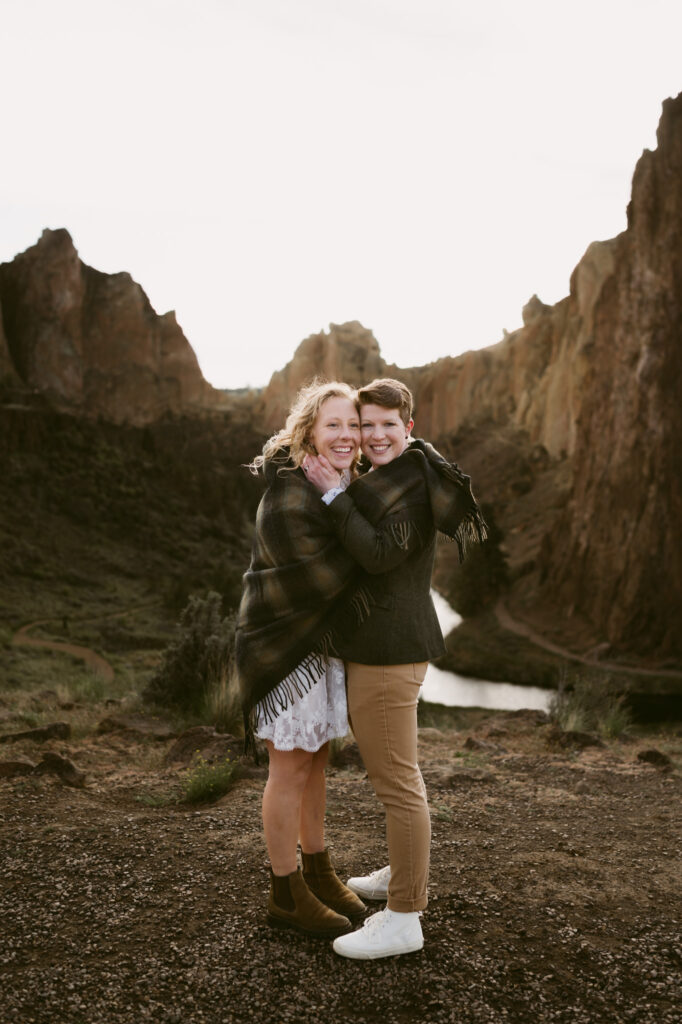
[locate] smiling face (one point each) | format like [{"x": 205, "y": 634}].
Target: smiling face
[
  {"x": 336, "y": 432},
  {"x": 384, "y": 435}
]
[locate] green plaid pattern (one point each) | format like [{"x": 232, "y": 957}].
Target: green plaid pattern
[
  {"x": 421, "y": 479},
  {"x": 298, "y": 575},
  {"x": 302, "y": 588}
]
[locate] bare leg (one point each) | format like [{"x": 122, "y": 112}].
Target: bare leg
[
  {"x": 311, "y": 823},
  {"x": 288, "y": 777}
]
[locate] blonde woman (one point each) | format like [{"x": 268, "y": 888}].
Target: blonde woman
[{"x": 300, "y": 586}]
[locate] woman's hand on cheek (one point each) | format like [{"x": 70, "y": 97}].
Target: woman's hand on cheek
[{"x": 321, "y": 473}]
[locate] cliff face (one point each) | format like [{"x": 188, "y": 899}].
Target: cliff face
[
  {"x": 616, "y": 552},
  {"x": 91, "y": 342},
  {"x": 571, "y": 426},
  {"x": 593, "y": 384},
  {"x": 533, "y": 379},
  {"x": 8, "y": 373},
  {"x": 348, "y": 352}
]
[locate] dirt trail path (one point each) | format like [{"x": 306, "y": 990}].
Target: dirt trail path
[
  {"x": 99, "y": 665},
  {"x": 522, "y": 629}
]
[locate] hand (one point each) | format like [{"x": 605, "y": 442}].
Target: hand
[{"x": 321, "y": 473}]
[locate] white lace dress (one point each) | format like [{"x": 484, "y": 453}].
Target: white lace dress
[
  {"x": 317, "y": 716},
  {"x": 310, "y": 720}
]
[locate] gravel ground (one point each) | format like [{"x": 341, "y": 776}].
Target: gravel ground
[{"x": 555, "y": 891}]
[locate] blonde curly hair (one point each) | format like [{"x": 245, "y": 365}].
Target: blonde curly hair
[{"x": 293, "y": 442}]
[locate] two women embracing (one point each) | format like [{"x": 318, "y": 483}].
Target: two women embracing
[{"x": 336, "y": 624}]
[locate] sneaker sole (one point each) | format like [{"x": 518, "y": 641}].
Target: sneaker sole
[{"x": 357, "y": 954}]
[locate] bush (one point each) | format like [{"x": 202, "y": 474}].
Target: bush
[
  {"x": 223, "y": 706},
  {"x": 207, "y": 782},
  {"x": 588, "y": 704},
  {"x": 198, "y": 662}
]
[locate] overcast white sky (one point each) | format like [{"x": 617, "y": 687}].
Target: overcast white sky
[{"x": 266, "y": 167}]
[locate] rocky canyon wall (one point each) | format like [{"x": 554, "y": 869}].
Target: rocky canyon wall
[
  {"x": 616, "y": 552},
  {"x": 348, "y": 352},
  {"x": 91, "y": 343},
  {"x": 596, "y": 380},
  {"x": 590, "y": 385}
]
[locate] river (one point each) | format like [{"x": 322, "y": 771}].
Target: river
[{"x": 460, "y": 691}]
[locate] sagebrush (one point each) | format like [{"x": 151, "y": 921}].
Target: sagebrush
[
  {"x": 206, "y": 782},
  {"x": 588, "y": 704},
  {"x": 198, "y": 662}
]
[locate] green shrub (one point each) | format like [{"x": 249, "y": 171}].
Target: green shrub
[
  {"x": 198, "y": 661},
  {"x": 589, "y": 704},
  {"x": 207, "y": 782},
  {"x": 222, "y": 704}
]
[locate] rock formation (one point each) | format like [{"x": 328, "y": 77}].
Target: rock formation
[
  {"x": 616, "y": 552},
  {"x": 348, "y": 352},
  {"x": 8, "y": 374},
  {"x": 91, "y": 342},
  {"x": 571, "y": 425},
  {"x": 594, "y": 383}
]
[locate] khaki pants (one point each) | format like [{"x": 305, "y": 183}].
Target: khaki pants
[{"x": 382, "y": 705}]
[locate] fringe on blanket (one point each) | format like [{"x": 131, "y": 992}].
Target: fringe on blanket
[
  {"x": 472, "y": 530},
  {"x": 301, "y": 679}
]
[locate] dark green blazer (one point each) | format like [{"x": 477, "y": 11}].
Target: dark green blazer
[{"x": 402, "y": 626}]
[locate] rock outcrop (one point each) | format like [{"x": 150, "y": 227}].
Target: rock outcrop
[
  {"x": 348, "y": 352},
  {"x": 616, "y": 552},
  {"x": 8, "y": 373},
  {"x": 571, "y": 426},
  {"x": 91, "y": 342},
  {"x": 592, "y": 383}
]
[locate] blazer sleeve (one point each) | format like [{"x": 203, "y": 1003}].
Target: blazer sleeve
[{"x": 376, "y": 548}]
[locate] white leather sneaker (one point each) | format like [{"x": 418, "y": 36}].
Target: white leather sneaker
[
  {"x": 372, "y": 887},
  {"x": 387, "y": 933}
]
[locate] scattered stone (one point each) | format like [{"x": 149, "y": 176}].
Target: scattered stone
[
  {"x": 204, "y": 740},
  {"x": 55, "y": 731},
  {"x": 148, "y": 726},
  {"x": 557, "y": 737},
  {"x": 531, "y": 715},
  {"x": 10, "y": 769},
  {"x": 472, "y": 743},
  {"x": 55, "y": 764},
  {"x": 496, "y": 730},
  {"x": 427, "y": 732},
  {"x": 465, "y": 776},
  {"x": 655, "y": 757}
]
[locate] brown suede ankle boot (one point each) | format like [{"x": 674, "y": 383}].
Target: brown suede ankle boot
[
  {"x": 328, "y": 887},
  {"x": 293, "y": 905}
]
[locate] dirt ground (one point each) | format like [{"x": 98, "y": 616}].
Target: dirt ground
[{"x": 554, "y": 896}]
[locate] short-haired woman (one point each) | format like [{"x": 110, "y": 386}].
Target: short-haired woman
[{"x": 410, "y": 494}]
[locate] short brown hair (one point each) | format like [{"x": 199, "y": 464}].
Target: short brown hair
[{"x": 389, "y": 394}]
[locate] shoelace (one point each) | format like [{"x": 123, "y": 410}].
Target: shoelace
[
  {"x": 380, "y": 875},
  {"x": 375, "y": 923}
]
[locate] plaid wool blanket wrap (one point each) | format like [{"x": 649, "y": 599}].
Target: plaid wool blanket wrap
[{"x": 302, "y": 589}]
